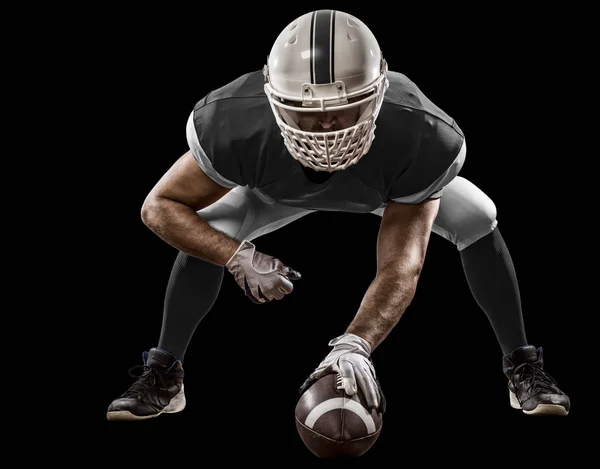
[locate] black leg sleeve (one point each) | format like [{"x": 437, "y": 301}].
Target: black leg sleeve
[
  {"x": 193, "y": 287},
  {"x": 491, "y": 276}
]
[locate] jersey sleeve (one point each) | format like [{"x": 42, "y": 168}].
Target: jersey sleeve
[
  {"x": 204, "y": 161},
  {"x": 436, "y": 189},
  {"x": 438, "y": 156}
]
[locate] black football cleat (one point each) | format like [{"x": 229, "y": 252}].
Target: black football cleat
[
  {"x": 532, "y": 389},
  {"x": 159, "y": 389}
]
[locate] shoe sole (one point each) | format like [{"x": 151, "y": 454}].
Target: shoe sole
[
  {"x": 177, "y": 404},
  {"x": 541, "y": 409}
]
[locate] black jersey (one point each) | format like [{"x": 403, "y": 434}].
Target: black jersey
[{"x": 233, "y": 135}]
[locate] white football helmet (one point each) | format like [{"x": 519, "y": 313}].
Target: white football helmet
[{"x": 326, "y": 61}]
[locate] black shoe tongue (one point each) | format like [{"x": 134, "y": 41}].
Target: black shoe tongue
[
  {"x": 160, "y": 359},
  {"x": 526, "y": 354}
]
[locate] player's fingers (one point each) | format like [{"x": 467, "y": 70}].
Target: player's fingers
[
  {"x": 249, "y": 294},
  {"x": 278, "y": 294},
  {"x": 307, "y": 384},
  {"x": 369, "y": 388},
  {"x": 254, "y": 293},
  {"x": 346, "y": 377},
  {"x": 284, "y": 285},
  {"x": 267, "y": 294},
  {"x": 276, "y": 289}
]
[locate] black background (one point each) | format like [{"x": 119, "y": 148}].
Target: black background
[{"x": 505, "y": 75}]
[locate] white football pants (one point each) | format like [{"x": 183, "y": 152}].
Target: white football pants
[{"x": 466, "y": 214}]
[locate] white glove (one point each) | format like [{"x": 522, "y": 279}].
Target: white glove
[
  {"x": 350, "y": 359},
  {"x": 262, "y": 277}
]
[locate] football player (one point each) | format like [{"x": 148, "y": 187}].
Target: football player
[{"x": 297, "y": 137}]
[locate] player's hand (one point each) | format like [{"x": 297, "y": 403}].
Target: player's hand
[
  {"x": 262, "y": 277},
  {"x": 351, "y": 360}
]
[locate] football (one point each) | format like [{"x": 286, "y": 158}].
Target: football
[{"x": 333, "y": 424}]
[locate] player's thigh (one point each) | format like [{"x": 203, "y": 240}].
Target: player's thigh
[
  {"x": 246, "y": 214},
  {"x": 466, "y": 213}
]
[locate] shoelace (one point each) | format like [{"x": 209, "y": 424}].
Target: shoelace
[
  {"x": 147, "y": 378},
  {"x": 539, "y": 380}
]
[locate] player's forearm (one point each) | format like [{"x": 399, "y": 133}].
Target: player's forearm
[
  {"x": 181, "y": 227},
  {"x": 385, "y": 301}
]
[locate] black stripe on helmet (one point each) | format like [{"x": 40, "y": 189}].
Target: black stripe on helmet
[
  {"x": 312, "y": 47},
  {"x": 322, "y": 47},
  {"x": 332, "y": 48}
]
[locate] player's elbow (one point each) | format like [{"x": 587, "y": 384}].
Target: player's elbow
[{"x": 151, "y": 209}]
